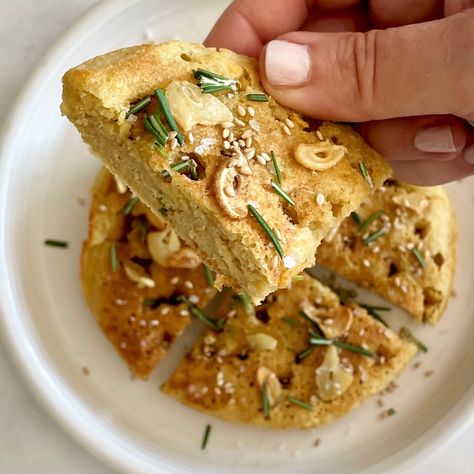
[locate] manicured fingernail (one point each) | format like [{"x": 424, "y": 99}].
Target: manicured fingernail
[
  {"x": 468, "y": 155},
  {"x": 287, "y": 64},
  {"x": 438, "y": 139}
]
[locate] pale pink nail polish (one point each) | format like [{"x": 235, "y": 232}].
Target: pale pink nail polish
[
  {"x": 468, "y": 155},
  {"x": 287, "y": 64},
  {"x": 436, "y": 139}
]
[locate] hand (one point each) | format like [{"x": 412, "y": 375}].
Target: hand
[{"x": 410, "y": 82}]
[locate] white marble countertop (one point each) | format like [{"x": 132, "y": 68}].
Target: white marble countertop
[{"x": 31, "y": 442}]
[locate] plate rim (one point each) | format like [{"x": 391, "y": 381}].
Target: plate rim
[{"x": 69, "y": 411}]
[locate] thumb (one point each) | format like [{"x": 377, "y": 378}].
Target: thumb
[{"x": 426, "y": 68}]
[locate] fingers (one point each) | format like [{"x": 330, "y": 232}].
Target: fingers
[
  {"x": 246, "y": 25},
  {"x": 352, "y": 18},
  {"x": 397, "y": 72},
  {"x": 455, "y": 6}
]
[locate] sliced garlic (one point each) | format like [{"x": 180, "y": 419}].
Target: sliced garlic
[
  {"x": 262, "y": 342},
  {"x": 269, "y": 378},
  {"x": 319, "y": 156},
  {"x": 190, "y": 106},
  {"x": 333, "y": 322},
  {"x": 137, "y": 274},
  {"x": 183, "y": 258},
  {"x": 332, "y": 380},
  {"x": 162, "y": 245}
]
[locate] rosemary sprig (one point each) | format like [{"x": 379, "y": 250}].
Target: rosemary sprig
[
  {"x": 114, "y": 261},
  {"x": 140, "y": 105},
  {"x": 320, "y": 341},
  {"x": 405, "y": 333},
  {"x": 159, "y": 148},
  {"x": 290, "y": 321},
  {"x": 205, "y": 437},
  {"x": 373, "y": 311},
  {"x": 356, "y": 217},
  {"x": 306, "y": 317},
  {"x": 278, "y": 189},
  {"x": 216, "y": 324},
  {"x": 212, "y": 82},
  {"x": 165, "y": 108},
  {"x": 158, "y": 125},
  {"x": 208, "y": 275},
  {"x": 365, "y": 174},
  {"x": 244, "y": 298},
  {"x": 303, "y": 354},
  {"x": 374, "y": 236},
  {"x": 276, "y": 167},
  {"x": 419, "y": 257},
  {"x": 158, "y": 136},
  {"x": 363, "y": 226},
  {"x": 258, "y": 97},
  {"x": 130, "y": 205},
  {"x": 265, "y": 401},
  {"x": 56, "y": 243},
  {"x": 261, "y": 221},
  {"x": 180, "y": 166},
  {"x": 300, "y": 403}
]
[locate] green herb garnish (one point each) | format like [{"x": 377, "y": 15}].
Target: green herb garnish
[
  {"x": 373, "y": 311},
  {"x": 277, "y": 188},
  {"x": 320, "y": 341},
  {"x": 276, "y": 167},
  {"x": 165, "y": 108},
  {"x": 407, "y": 334},
  {"x": 57, "y": 243},
  {"x": 300, "y": 403},
  {"x": 258, "y": 97},
  {"x": 205, "y": 437},
  {"x": 158, "y": 136},
  {"x": 212, "y": 82},
  {"x": 374, "y": 236},
  {"x": 356, "y": 217},
  {"x": 363, "y": 226},
  {"x": 265, "y": 401},
  {"x": 365, "y": 174},
  {"x": 345, "y": 295},
  {"x": 208, "y": 275},
  {"x": 180, "y": 167},
  {"x": 159, "y": 148},
  {"x": 391, "y": 412},
  {"x": 216, "y": 324},
  {"x": 261, "y": 221},
  {"x": 114, "y": 261},
  {"x": 306, "y": 317},
  {"x": 140, "y": 105},
  {"x": 290, "y": 321},
  {"x": 130, "y": 205},
  {"x": 303, "y": 354},
  {"x": 244, "y": 298},
  {"x": 419, "y": 257}
]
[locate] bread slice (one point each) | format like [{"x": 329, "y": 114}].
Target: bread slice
[
  {"x": 209, "y": 208},
  {"x": 420, "y": 230},
  {"x": 223, "y": 373},
  {"x": 140, "y": 321}
]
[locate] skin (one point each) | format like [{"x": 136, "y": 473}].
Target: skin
[{"x": 391, "y": 66}]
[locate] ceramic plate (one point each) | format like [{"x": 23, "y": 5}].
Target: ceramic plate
[{"x": 45, "y": 175}]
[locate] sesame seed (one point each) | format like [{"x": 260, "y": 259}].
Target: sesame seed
[
  {"x": 287, "y": 130},
  {"x": 241, "y": 110},
  {"x": 366, "y": 263},
  {"x": 255, "y": 125},
  {"x": 194, "y": 299},
  {"x": 123, "y": 345},
  {"x": 289, "y": 123},
  {"x": 120, "y": 302},
  {"x": 184, "y": 312},
  {"x": 319, "y": 135},
  {"x": 274, "y": 262},
  {"x": 289, "y": 261},
  {"x": 261, "y": 160},
  {"x": 320, "y": 199},
  {"x": 241, "y": 143},
  {"x": 102, "y": 208},
  {"x": 230, "y": 96},
  {"x": 225, "y": 133},
  {"x": 173, "y": 143},
  {"x": 249, "y": 154},
  {"x": 239, "y": 122},
  {"x": 251, "y": 111},
  {"x": 142, "y": 323},
  {"x": 266, "y": 157},
  {"x": 232, "y": 162},
  {"x": 248, "y": 142},
  {"x": 174, "y": 280},
  {"x": 233, "y": 87},
  {"x": 226, "y": 144},
  {"x": 165, "y": 310},
  {"x": 227, "y": 124},
  {"x": 245, "y": 170},
  {"x": 277, "y": 233},
  {"x": 230, "y": 191},
  {"x": 188, "y": 284},
  {"x": 190, "y": 137},
  {"x": 247, "y": 134},
  {"x": 231, "y": 137},
  {"x": 154, "y": 323}
]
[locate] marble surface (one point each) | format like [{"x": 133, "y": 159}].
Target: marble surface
[{"x": 30, "y": 441}]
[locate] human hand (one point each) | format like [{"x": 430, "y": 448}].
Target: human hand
[{"x": 410, "y": 82}]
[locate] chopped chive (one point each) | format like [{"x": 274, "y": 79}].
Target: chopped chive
[
  {"x": 290, "y": 321},
  {"x": 375, "y": 308},
  {"x": 363, "y": 226},
  {"x": 303, "y": 354},
  {"x": 419, "y": 257},
  {"x": 372, "y": 311},
  {"x": 244, "y": 298},
  {"x": 258, "y": 97},
  {"x": 374, "y": 236},
  {"x": 179, "y": 167},
  {"x": 114, "y": 261},
  {"x": 277, "y": 168},
  {"x": 316, "y": 333},
  {"x": 130, "y": 205},
  {"x": 208, "y": 275},
  {"x": 407, "y": 334},
  {"x": 274, "y": 239},
  {"x": 212, "y": 82},
  {"x": 205, "y": 437},
  {"x": 159, "y": 148},
  {"x": 216, "y": 324},
  {"x": 365, "y": 174},
  {"x": 356, "y": 217},
  {"x": 158, "y": 126},
  {"x": 57, "y": 243},
  {"x": 140, "y": 105},
  {"x": 320, "y": 341},
  {"x": 277, "y": 188},
  {"x": 160, "y": 95},
  {"x": 143, "y": 229},
  {"x": 300, "y": 403},
  {"x": 265, "y": 401},
  {"x": 156, "y": 134}
]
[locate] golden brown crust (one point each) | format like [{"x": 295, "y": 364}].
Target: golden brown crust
[
  {"x": 141, "y": 333},
  {"x": 219, "y": 374},
  {"x": 415, "y": 218},
  {"x": 96, "y": 96}
]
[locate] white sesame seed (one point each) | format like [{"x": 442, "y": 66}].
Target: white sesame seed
[
  {"x": 241, "y": 143},
  {"x": 319, "y": 135},
  {"x": 239, "y": 122},
  {"x": 266, "y": 156},
  {"x": 226, "y": 144},
  {"x": 277, "y": 233},
  {"x": 174, "y": 280},
  {"x": 184, "y": 313},
  {"x": 231, "y": 137},
  {"x": 120, "y": 302},
  {"x": 286, "y": 130},
  {"x": 255, "y": 125},
  {"x": 123, "y": 345},
  {"x": 173, "y": 143},
  {"x": 241, "y": 110},
  {"x": 190, "y": 137},
  {"x": 230, "y": 96},
  {"x": 289, "y": 261},
  {"x": 261, "y": 160},
  {"x": 185, "y": 158},
  {"x": 102, "y": 208},
  {"x": 249, "y": 154},
  {"x": 172, "y": 135},
  {"x": 227, "y": 124},
  {"x": 188, "y": 284},
  {"x": 320, "y": 199},
  {"x": 247, "y": 134},
  {"x": 165, "y": 310},
  {"x": 251, "y": 111},
  {"x": 194, "y": 299},
  {"x": 225, "y": 133},
  {"x": 274, "y": 262},
  {"x": 289, "y": 123},
  {"x": 245, "y": 170},
  {"x": 142, "y": 323},
  {"x": 248, "y": 142},
  {"x": 233, "y": 87},
  {"x": 154, "y": 323},
  {"x": 366, "y": 263}
]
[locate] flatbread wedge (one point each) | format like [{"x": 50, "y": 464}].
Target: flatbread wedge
[
  {"x": 412, "y": 262},
  {"x": 262, "y": 369},
  {"x": 135, "y": 299},
  {"x": 249, "y": 185}
]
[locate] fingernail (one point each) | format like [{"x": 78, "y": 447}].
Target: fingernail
[
  {"x": 468, "y": 155},
  {"x": 437, "y": 139},
  {"x": 287, "y": 64}
]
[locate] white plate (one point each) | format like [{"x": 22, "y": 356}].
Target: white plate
[{"x": 45, "y": 169}]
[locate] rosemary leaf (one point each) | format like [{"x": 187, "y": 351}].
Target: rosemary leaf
[
  {"x": 130, "y": 205},
  {"x": 211, "y": 82},
  {"x": 179, "y": 167},
  {"x": 258, "y": 97},
  {"x": 276, "y": 167},
  {"x": 303, "y": 354},
  {"x": 261, "y": 221},
  {"x": 244, "y": 298},
  {"x": 319, "y": 341},
  {"x": 300, "y": 403},
  {"x": 277, "y": 188},
  {"x": 205, "y": 437},
  {"x": 419, "y": 257},
  {"x": 56, "y": 243},
  {"x": 365, "y": 174},
  {"x": 114, "y": 261},
  {"x": 290, "y": 321},
  {"x": 363, "y": 226},
  {"x": 356, "y": 217},
  {"x": 373, "y": 311},
  {"x": 265, "y": 401},
  {"x": 208, "y": 275},
  {"x": 140, "y": 105},
  {"x": 156, "y": 133},
  {"x": 374, "y": 236},
  {"x": 405, "y": 333},
  {"x": 216, "y": 324},
  {"x": 161, "y": 97}
]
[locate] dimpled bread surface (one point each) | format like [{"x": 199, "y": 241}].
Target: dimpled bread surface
[
  {"x": 141, "y": 323},
  {"x": 98, "y": 93},
  {"x": 218, "y": 376},
  {"x": 416, "y": 219}
]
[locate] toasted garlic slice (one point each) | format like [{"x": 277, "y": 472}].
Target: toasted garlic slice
[
  {"x": 262, "y": 342},
  {"x": 162, "y": 244},
  {"x": 331, "y": 379},
  {"x": 184, "y": 258},
  {"x": 319, "y": 156},
  {"x": 121, "y": 188},
  {"x": 226, "y": 179},
  {"x": 137, "y": 274},
  {"x": 274, "y": 390},
  {"x": 190, "y": 106},
  {"x": 333, "y": 322}
]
